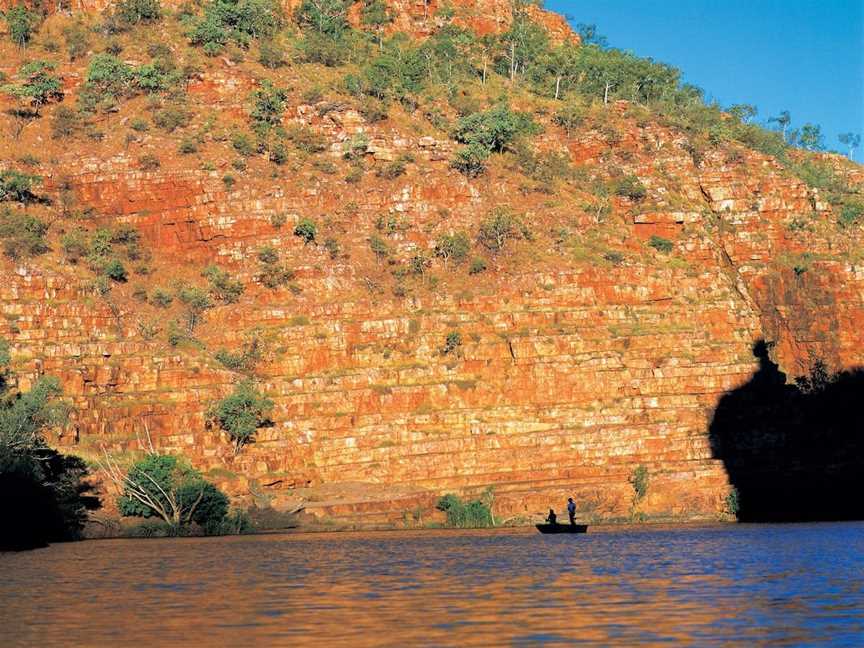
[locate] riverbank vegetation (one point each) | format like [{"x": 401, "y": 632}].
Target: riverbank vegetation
[
  {"x": 471, "y": 514},
  {"x": 172, "y": 497},
  {"x": 43, "y": 495}
]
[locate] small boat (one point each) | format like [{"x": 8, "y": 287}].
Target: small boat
[{"x": 562, "y": 528}]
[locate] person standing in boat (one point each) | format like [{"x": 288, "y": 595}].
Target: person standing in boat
[{"x": 571, "y": 511}]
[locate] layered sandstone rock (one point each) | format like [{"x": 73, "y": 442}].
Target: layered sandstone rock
[{"x": 585, "y": 353}]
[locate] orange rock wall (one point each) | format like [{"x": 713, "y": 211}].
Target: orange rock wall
[
  {"x": 571, "y": 374},
  {"x": 574, "y": 369}
]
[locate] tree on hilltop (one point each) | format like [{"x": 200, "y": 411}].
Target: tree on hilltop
[{"x": 851, "y": 141}]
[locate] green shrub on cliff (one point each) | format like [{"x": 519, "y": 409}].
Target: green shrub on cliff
[
  {"x": 629, "y": 186},
  {"x": 18, "y": 187},
  {"x": 495, "y": 128},
  {"x": 851, "y": 213},
  {"x": 22, "y": 235},
  {"x": 639, "y": 481},
  {"x": 108, "y": 76},
  {"x": 452, "y": 343},
  {"x": 661, "y": 244},
  {"x": 38, "y": 86},
  {"x": 237, "y": 21},
  {"x": 465, "y": 515},
  {"x": 488, "y": 132},
  {"x": 306, "y": 230},
  {"x": 241, "y": 413},
  {"x": 453, "y": 247},
  {"x": 22, "y": 23},
  {"x": 500, "y": 227},
  {"x": 139, "y": 12},
  {"x": 268, "y": 104},
  {"x": 197, "y": 301},
  {"x": 273, "y": 274},
  {"x": 222, "y": 286}
]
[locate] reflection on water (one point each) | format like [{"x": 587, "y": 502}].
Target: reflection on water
[{"x": 777, "y": 585}]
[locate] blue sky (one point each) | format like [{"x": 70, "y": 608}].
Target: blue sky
[{"x": 804, "y": 56}]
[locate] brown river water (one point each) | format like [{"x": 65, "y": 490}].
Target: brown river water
[{"x": 783, "y": 585}]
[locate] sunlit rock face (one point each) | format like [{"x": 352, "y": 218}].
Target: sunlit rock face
[{"x": 585, "y": 352}]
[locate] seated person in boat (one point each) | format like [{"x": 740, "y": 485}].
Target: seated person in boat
[{"x": 552, "y": 518}]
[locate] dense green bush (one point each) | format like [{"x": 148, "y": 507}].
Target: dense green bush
[
  {"x": 306, "y": 230},
  {"x": 661, "y": 244},
  {"x": 148, "y": 162},
  {"x": 851, "y": 213},
  {"x": 18, "y": 187},
  {"x": 242, "y": 143},
  {"x": 326, "y": 17},
  {"x": 471, "y": 160},
  {"x": 38, "y": 87},
  {"x": 267, "y": 109},
  {"x": 391, "y": 170},
  {"x": 241, "y": 413},
  {"x": 161, "y": 298},
  {"x": 22, "y": 23},
  {"x": 569, "y": 117},
  {"x": 325, "y": 50},
  {"x": 306, "y": 140},
  {"x": 243, "y": 361},
  {"x": 108, "y": 76},
  {"x": 171, "y": 118},
  {"x": 268, "y": 254},
  {"x": 75, "y": 245},
  {"x": 139, "y": 12},
  {"x": 272, "y": 274},
  {"x": 166, "y": 487},
  {"x": 271, "y": 55},
  {"x": 465, "y": 515},
  {"x": 104, "y": 249},
  {"x": 238, "y": 21},
  {"x": 733, "y": 502},
  {"x": 398, "y": 71},
  {"x": 379, "y": 247},
  {"x": 22, "y": 235},
  {"x": 115, "y": 271},
  {"x": 494, "y": 129},
  {"x": 486, "y": 133}
]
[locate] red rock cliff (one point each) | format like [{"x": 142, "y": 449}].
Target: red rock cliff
[{"x": 585, "y": 352}]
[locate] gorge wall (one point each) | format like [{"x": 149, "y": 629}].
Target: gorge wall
[{"x": 585, "y": 351}]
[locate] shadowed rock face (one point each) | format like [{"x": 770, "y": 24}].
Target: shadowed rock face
[{"x": 793, "y": 452}]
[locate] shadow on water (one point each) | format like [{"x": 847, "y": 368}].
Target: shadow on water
[{"x": 794, "y": 452}]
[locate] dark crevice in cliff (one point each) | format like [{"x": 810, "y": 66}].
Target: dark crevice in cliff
[{"x": 794, "y": 452}]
